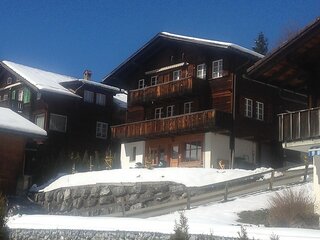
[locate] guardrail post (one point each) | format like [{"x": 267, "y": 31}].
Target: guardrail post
[
  {"x": 188, "y": 199},
  {"x": 271, "y": 180},
  {"x": 306, "y": 172},
  {"x": 226, "y": 193},
  {"x": 122, "y": 207}
]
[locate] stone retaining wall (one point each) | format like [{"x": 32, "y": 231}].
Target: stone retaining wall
[
  {"x": 104, "y": 199},
  {"x": 58, "y": 234}
]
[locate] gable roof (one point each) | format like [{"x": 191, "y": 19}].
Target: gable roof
[
  {"x": 284, "y": 66},
  {"x": 162, "y": 36},
  {"x": 40, "y": 79},
  {"x": 12, "y": 122}
]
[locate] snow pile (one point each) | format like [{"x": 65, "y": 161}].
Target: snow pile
[{"x": 191, "y": 177}]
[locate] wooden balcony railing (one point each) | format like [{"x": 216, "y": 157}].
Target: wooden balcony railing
[
  {"x": 197, "y": 121},
  {"x": 163, "y": 90},
  {"x": 299, "y": 125}
]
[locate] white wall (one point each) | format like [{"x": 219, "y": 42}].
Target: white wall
[
  {"x": 216, "y": 148},
  {"x": 127, "y": 158},
  {"x": 316, "y": 183}
]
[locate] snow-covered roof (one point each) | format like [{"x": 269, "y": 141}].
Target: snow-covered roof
[
  {"x": 211, "y": 43},
  {"x": 42, "y": 80},
  {"x": 13, "y": 122},
  {"x": 101, "y": 85},
  {"x": 121, "y": 100}
]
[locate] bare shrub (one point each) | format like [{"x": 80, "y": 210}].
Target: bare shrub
[{"x": 291, "y": 209}]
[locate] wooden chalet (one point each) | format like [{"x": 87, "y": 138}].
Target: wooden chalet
[
  {"x": 76, "y": 113},
  {"x": 296, "y": 66},
  {"x": 16, "y": 133},
  {"x": 188, "y": 105}
]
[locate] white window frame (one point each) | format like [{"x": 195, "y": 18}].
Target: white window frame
[
  {"x": 260, "y": 111},
  {"x": 154, "y": 80},
  {"x": 217, "y": 68},
  {"x": 202, "y": 71},
  {"x": 158, "y": 113},
  {"x": 170, "y": 111},
  {"x": 100, "y": 99},
  {"x": 39, "y": 117},
  {"x": 88, "y": 96},
  {"x": 53, "y": 127},
  {"x": 20, "y": 95},
  {"x": 5, "y": 96},
  {"x": 187, "y": 107},
  {"x": 176, "y": 75},
  {"x": 248, "y": 111},
  {"x": 101, "y": 130},
  {"x": 141, "y": 83}
]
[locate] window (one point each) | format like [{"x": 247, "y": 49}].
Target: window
[
  {"x": 88, "y": 96},
  {"x": 5, "y": 97},
  {"x": 154, "y": 80},
  {"x": 101, "y": 99},
  {"x": 26, "y": 95},
  {"x": 217, "y": 68},
  {"x": 158, "y": 113},
  {"x": 134, "y": 153},
  {"x": 58, "y": 123},
  {"x": 20, "y": 95},
  {"x": 39, "y": 120},
  {"x": 201, "y": 71},
  {"x": 248, "y": 108},
  {"x": 260, "y": 111},
  {"x": 170, "y": 111},
  {"x": 193, "y": 151},
  {"x": 187, "y": 107},
  {"x": 13, "y": 95},
  {"x": 176, "y": 75},
  {"x": 141, "y": 83},
  {"x": 101, "y": 130},
  {"x": 175, "y": 152}
]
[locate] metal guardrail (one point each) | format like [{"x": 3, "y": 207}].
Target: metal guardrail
[{"x": 221, "y": 191}]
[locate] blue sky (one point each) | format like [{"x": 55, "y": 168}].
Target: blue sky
[{"x": 68, "y": 36}]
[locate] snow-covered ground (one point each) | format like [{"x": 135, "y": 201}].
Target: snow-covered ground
[
  {"x": 216, "y": 218},
  {"x": 191, "y": 177}
]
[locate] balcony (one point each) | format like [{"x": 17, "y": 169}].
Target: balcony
[
  {"x": 181, "y": 124},
  {"x": 164, "y": 90},
  {"x": 300, "y": 126}
]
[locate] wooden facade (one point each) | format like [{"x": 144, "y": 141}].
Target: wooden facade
[
  {"x": 181, "y": 87},
  {"x": 78, "y": 126}
]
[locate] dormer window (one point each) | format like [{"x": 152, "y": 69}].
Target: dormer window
[
  {"x": 201, "y": 71},
  {"x": 154, "y": 80},
  {"x": 141, "y": 83},
  {"x": 217, "y": 68},
  {"x": 176, "y": 75}
]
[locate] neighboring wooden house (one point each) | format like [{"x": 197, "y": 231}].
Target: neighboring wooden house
[
  {"x": 296, "y": 66},
  {"x": 189, "y": 105},
  {"x": 16, "y": 133},
  {"x": 76, "y": 113}
]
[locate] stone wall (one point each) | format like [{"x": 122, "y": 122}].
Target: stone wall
[
  {"x": 104, "y": 199},
  {"x": 58, "y": 234}
]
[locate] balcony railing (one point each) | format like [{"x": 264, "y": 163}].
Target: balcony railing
[
  {"x": 197, "y": 121},
  {"x": 163, "y": 90},
  {"x": 299, "y": 125}
]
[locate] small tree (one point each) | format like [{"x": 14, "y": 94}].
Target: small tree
[
  {"x": 261, "y": 44},
  {"x": 181, "y": 229}
]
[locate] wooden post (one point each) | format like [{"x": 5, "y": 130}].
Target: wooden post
[
  {"x": 226, "y": 193},
  {"x": 306, "y": 172},
  {"x": 271, "y": 180}
]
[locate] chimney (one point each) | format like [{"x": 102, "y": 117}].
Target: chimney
[{"x": 87, "y": 75}]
